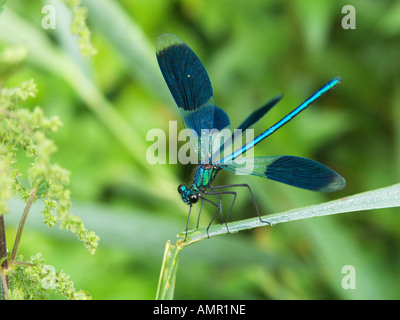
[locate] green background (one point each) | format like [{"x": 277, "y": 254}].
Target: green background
[{"x": 252, "y": 50}]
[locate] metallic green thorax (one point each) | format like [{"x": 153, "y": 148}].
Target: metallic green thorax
[{"x": 205, "y": 174}]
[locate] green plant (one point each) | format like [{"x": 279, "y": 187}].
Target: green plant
[
  {"x": 26, "y": 171},
  {"x": 80, "y": 28}
]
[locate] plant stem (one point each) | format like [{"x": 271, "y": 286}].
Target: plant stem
[
  {"x": 376, "y": 199},
  {"x": 3, "y": 258},
  {"x": 166, "y": 283},
  {"x": 22, "y": 223}
]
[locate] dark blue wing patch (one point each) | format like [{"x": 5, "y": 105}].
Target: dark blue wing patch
[
  {"x": 185, "y": 75},
  {"x": 259, "y": 113},
  {"x": 304, "y": 173}
]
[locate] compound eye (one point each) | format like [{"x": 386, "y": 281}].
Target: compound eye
[
  {"x": 181, "y": 188},
  {"x": 194, "y": 198}
]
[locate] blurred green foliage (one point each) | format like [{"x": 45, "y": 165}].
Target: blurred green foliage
[{"x": 252, "y": 50}]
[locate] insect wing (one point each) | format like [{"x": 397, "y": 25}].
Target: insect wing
[
  {"x": 190, "y": 86},
  {"x": 295, "y": 171}
]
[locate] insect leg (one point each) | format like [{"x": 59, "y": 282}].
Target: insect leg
[
  {"x": 214, "y": 204},
  {"x": 217, "y": 193},
  {"x": 201, "y": 208},
  {"x": 251, "y": 193},
  {"x": 187, "y": 222}
]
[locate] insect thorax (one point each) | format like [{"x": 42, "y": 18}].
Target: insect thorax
[{"x": 204, "y": 175}]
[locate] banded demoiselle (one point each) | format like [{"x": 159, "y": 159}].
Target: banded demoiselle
[{"x": 190, "y": 86}]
